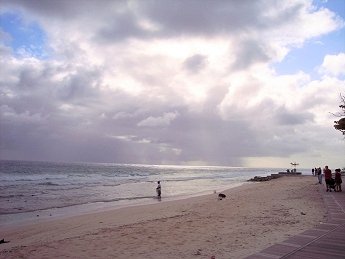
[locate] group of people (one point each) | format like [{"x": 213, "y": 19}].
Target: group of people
[{"x": 330, "y": 182}]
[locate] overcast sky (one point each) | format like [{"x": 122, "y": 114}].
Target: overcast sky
[{"x": 197, "y": 82}]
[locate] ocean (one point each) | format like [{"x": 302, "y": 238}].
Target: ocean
[{"x": 31, "y": 190}]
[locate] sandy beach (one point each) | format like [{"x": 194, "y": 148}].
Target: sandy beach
[{"x": 251, "y": 218}]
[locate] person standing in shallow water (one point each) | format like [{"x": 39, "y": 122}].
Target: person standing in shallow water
[{"x": 159, "y": 189}]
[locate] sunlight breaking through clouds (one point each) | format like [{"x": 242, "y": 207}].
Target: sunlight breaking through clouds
[{"x": 171, "y": 81}]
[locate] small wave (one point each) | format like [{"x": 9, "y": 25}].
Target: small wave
[
  {"x": 111, "y": 185},
  {"x": 11, "y": 196},
  {"x": 124, "y": 199},
  {"x": 24, "y": 210},
  {"x": 21, "y": 180},
  {"x": 190, "y": 179},
  {"x": 49, "y": 183}
]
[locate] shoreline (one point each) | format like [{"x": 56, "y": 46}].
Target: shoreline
[
  {"x": 47, "y": 214},
  {"x": 250, "y": 218},
  {"x": 37, "y": 216}
]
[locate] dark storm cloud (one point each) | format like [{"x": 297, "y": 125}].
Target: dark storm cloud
[
  {"x": 195, "y": 63},
  {"x": 55, "y": 112},
  {"x": 199, "y": 136},
  {"x": 248, "y": 52},
  {"x": 284, "y": 117},
  {"x": 61, "y": 9},
  {"x": 172, "y": 18},
  {"x": 121, "y": 27},
  {"x": 35, "y": 90},
  {"x": 196, "y": 18},
  {"x": 83, "y": 84},
  {"x": 212, "y": 139},
  {"x": 202, "y": 17}
]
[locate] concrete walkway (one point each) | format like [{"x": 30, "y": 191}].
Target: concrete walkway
[{"x": 326, "y": 241}]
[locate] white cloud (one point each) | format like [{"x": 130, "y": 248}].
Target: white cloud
[
  {"x": 161, "y": 121},
  {"x": 333, "y": 65}
]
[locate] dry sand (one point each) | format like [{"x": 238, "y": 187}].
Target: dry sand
[{"x": 251, "y": 218}]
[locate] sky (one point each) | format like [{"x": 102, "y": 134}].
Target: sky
[{"x": 251, "y": 83}]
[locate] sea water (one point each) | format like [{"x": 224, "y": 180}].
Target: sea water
[{"x": 47, "y": 189}]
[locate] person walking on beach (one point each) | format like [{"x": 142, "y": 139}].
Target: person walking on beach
[
  {"x": 338, "y": 180},
  {"x": 159, "y": 189},
  {"x": 328, "y": 176},
  {"x": 319, "y": 175}
]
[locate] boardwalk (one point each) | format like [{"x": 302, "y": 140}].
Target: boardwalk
[{"x": 326, "y": 241}]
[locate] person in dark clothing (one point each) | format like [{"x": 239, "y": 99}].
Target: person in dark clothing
[
  {"x": 159, "y": 189},
  {"x": 328, "y": 176},
  {"x": 338, "y": 180}
]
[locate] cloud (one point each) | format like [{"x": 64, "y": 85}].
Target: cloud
[
  {"x": 167, "y": 82},
  {"x": 250, "y": 52},
  {"x": 195, "y": 63},
  {"x": 164, "y": 120},
  {"x": 333, "y": 65},
  {"x": 284, "y": 117}
]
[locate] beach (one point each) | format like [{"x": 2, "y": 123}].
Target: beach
[{"x": 251, "y": 218}]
